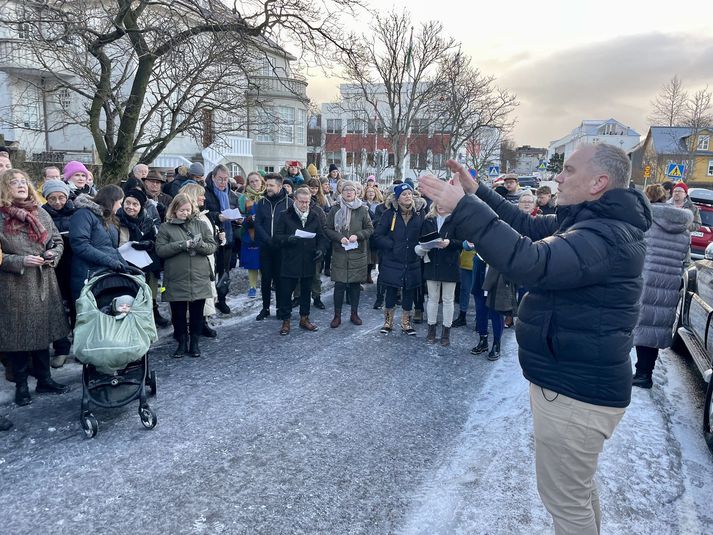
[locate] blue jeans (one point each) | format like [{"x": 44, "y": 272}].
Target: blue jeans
[
  {"x": 466, "y": 284},
  {"x": 482, "y": 314}
]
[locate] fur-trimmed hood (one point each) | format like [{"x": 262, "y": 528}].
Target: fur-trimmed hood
[
  {"x": 391, "y": 202},
  {"x": 671, "y": 219},
  {"x": 85, "y": 201}
]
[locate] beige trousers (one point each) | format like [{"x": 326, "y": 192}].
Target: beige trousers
[{"x": 569, "y": 436}]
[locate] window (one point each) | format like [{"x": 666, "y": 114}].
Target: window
[
  {"x": 28, "y": 108},
  {"x": 333, "y": 158},
  {"x": 334, "y": 126},
  {"x": 710, "y": 167},
  {"x": 263, "y": 126},
  {"x": 285, "y": 124},
  {"x": 269, "y": 168},
  {"x": 703, "y": 142},
  {"x": 23, "y": 30},
  {"x": 355, "y": 126},
  {"x": 301, "y": 127},
  {"x": 64, "y": 98},
  {"x": 439, "y": 162}
]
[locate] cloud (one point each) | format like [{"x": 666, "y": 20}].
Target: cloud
[{"x": 617, "y": 78}]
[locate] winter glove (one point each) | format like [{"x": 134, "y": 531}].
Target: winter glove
[
  {"x": 142, "y": 245},
  {"x": 292, "y": 240},
  {"x": 420, "y": 251},
  {"x": 120, "y": 268},
  {"x": 317, "y": 255}
]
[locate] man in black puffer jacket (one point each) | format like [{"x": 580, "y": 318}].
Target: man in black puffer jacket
[{"x": 583, "y": 268}]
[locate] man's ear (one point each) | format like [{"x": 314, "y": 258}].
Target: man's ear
[{"x": 600, "y": 185}]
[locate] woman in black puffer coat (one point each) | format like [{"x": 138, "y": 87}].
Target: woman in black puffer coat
[
  {"x": 396, "y": 236},
  {"x": 61, "y": 208},
  {"x": 137, "y": 227},
  {"x": 441, "y": 270}
]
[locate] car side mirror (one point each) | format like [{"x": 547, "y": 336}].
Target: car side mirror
[{"x": 708, "y": 255}]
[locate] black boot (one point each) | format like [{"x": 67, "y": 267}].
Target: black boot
[
  {"x": 222, "y": 306},
  {"x": 460, "y": 320},
  {"x": 643, "y": 379},
  {"x": 45, "y": 383},
  {"x": 380, "y": 290},
  {"x": 194, "y": 350},
  {"x": 22, "y": 393},
  {"x": 494, "y": 352},
  {"x": 158, "y": 319},
  {"x": 19, "y": 364},
  {"x": 181, "y": 350},
  {"x": 5, "y": 424},
  {"x": 482, "y": 346},
  {"x": 318, "y": 303},
  {"x": 431, "y": 336},
  {"x": 207, "y": 331}
]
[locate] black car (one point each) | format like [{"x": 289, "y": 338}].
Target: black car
[
  {"x": 529, "y": 182},
  {"x": 693, "y": 329}
]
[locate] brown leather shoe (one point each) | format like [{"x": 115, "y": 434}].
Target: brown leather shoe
[
  {"x": 306, "y": 324},
  {"x": 336, "y": 321},
  {"x": 355, "y": 319},
  {"x": 285, "y": 329}
]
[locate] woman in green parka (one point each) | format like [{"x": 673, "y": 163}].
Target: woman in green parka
[
  {"x": 349, "y": 228},
  {"x": 185, "y": 243}
]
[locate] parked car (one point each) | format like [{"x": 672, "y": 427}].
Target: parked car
[
  {"x": 703, "y": 199},
  {"x": 528, "y": 181},
  {"x": 692, "y": 332}
]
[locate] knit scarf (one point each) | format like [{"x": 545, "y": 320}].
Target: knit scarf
[
  {"x": 302, "y": 215},
  {"x": 343, "y": 217},
  {"x": 21, "y": 213},
  {"x": 222, "y": 197},
  {"x": 253, "y": 195}
]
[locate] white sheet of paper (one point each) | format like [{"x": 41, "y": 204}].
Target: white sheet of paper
[
  {"x": 232, "y": 214},
  {"x": 302, "y": 234},
  {"x": 140, "y": 259},
  {"x": 431, "y": 244},
  {"x": 350, "y": 246}
]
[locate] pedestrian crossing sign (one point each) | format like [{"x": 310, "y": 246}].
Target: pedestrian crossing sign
[
  {"x": 542, "y": 165},
  {"x": 494, "y": 170},
  {"x": 675, "y": 170}
]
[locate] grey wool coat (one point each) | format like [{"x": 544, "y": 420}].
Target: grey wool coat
[
  {"x": 350, "y": 266},
  {"x": 187, "y": 275},
  {"x": 667, "y": 245},
  {"x": 32, "y": 314}
]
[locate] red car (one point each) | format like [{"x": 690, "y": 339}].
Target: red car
[{"x": 703, "y": 199}]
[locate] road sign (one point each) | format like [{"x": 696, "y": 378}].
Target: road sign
[
  {"x": 647, "y": 171},
  {"x": 494, "y": 170},
  {"x": 675, "y": 170},
  {"x": 542, "y": 166}
]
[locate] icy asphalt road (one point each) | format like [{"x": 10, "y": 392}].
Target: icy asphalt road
[{"x": 341, "y": 431}]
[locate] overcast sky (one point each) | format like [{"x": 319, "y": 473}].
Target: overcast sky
[{"x": 567, "y": 61}]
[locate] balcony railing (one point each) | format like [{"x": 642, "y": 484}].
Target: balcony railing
[
  {"x": 17, "y": 54},
  {"x": 229, "y": 147},
  {"x": 272, "y": 85}
]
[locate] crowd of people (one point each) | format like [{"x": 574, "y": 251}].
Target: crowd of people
[{"x": 432, "y": 247}]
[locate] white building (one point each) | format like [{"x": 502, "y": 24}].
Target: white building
[
  {"x": 271, "y": 133},
  {"x": 593, "y": 131}
]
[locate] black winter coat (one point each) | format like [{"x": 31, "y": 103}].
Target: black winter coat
[
  {"x": 298, "y": 254},
  {"x": 400, "y": 266},
  {"x": 94, "y": 245},
  {"x": 63, "y": 271},
  {"x": 268, "y": 212},
  {"x": 583, "y": 270},
  {"x": 444, "y": 264},
  {"x": 140, "y": 229}
]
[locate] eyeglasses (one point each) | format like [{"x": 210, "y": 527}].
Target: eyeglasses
[{"x": 18, "y": 182}]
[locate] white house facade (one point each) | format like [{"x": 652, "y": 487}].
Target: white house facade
[{"x": 593, "y": 131}]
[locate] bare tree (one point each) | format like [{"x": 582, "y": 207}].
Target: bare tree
[
  {"x": 698, "y": 116},
  {"x": 395, "y": 75},
  {"x": 148, "y": 70},
  {"x": 669, "y": 106},
  {"x": 469, "y": 104}
]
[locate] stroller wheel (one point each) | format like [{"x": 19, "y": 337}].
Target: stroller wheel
[
  {"x": 151, "y": 382},
  {"x": 148, "y": 417},
  {"x": 90, "y": 425}
]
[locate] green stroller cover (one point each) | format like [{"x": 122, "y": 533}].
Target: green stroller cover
[{"x": 110, "y": 343}]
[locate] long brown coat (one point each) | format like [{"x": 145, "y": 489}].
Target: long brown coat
[
  {"x": 350, "y": 266},
  {"x": 31, "y": 314}
]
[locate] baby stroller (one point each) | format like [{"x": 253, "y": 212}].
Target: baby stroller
[{"x": 114, "y": 348}]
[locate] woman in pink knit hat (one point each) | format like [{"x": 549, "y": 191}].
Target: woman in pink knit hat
[{"x": 76, "y": 175}]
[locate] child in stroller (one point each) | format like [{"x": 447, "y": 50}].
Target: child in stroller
[{"x": 112, "y": 336}]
